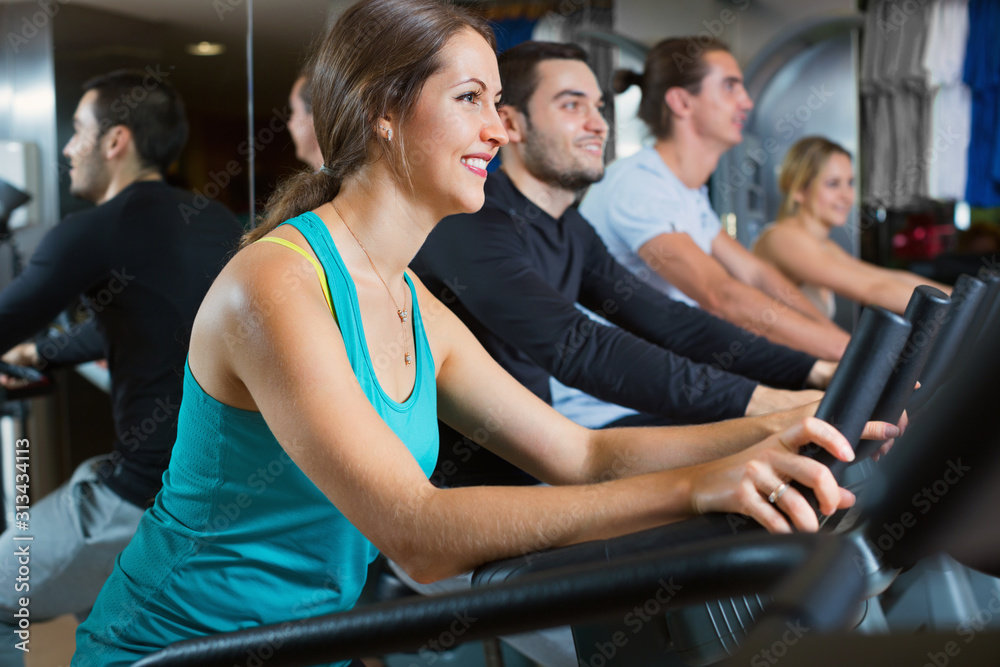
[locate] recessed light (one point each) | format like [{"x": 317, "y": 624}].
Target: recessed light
[{"x": 205, "y": 49}]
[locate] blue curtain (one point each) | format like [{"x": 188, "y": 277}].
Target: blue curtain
[{"x": 982, "y": 74}]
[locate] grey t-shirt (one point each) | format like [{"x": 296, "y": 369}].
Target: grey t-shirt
[{"x": 638, "y": 199}]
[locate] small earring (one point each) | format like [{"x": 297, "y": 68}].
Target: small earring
[{"x": 388, "y": 134}]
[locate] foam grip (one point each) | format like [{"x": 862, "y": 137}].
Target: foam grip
[
  {"x": 966, "y": 299},
  {"x": 987, "y": 307},
  {"x": 23, "y": 372},
  {"x": 990, "y": 315},
  {"x": 858, "y": 382},
  {"x": 926, "y": 312}
]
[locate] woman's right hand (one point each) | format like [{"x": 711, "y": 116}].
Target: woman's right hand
[{"x": 742, "y": 482}]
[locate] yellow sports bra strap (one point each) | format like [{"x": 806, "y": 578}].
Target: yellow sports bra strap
[{"x": 319, "y": 269}]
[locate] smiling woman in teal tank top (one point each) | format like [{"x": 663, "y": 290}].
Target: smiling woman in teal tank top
[
  {"x": 236, "y": 508},
  {"x": 318, "y": 367}
]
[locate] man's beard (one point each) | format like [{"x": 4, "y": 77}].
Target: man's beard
[
  {"x": 538, "y": 159},
  {"x": 91, "y": 180}
]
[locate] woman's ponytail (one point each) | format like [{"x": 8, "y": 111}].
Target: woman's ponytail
[
  {"x": 625, "y": 79},
  {"x": 294, "y": 196}
]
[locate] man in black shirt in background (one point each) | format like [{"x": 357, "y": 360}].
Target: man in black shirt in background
[
  {"x": 516, "y": 271},
  {"x": 143, "y": 259}
]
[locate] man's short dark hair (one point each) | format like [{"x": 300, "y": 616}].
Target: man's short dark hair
[
  {"x": 519, "y": 68},
  {"x": 145, "y": 103}
]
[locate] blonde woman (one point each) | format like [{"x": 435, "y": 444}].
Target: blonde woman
[{"x": 817, "y": 181}]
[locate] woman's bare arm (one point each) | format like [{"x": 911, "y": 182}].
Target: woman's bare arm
[
  {"x": 804, "y": 259},
  {"x": 289, "y": 362}
]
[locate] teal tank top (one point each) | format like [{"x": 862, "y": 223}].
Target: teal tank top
[{"x": 239, "y": 536}]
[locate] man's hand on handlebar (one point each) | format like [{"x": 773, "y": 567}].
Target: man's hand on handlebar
[
  {"x": 821, "y": 374},
  {"x": 25, "y": 354},
  {"x": 766, "y": 400}
]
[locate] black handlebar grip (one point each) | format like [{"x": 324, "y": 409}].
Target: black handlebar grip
[
  {"x": 857, "y": 384},
  {"x": 966, "y": 299},
  {"x": 926, "y": 312},
  {"x": 982, "y": 316},
  {"x": 990, "y": 315},
  {"x": 23, "y": 372}
]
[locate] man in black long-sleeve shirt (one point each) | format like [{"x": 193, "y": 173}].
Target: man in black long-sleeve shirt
[
  {"x": 516, "y": 270},
  {"x": 143, "y": 259}
]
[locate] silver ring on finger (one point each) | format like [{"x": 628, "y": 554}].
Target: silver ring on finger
[{"x": 777, "y": 493}]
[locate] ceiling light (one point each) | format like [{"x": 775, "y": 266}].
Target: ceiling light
[{"x": 205, "y": 49}]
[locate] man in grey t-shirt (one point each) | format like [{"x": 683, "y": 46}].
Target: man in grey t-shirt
[{"x": 652, "y": 212}]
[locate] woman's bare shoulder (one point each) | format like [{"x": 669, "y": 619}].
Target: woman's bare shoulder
[
  {"x": 261, "y": 292},
  {"x": 781, "y": 237},
  {"x": 263, "y": 270},
  {"x": 260, "y": 281}
]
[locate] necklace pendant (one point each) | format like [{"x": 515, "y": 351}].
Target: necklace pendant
[
  {"x": 403, "y": 314},
  {"x": 406, "y": 358}
]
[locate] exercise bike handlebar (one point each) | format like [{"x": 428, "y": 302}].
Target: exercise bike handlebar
[
  {"x": 926, "y": 312},
  {"x": 966, "y": 300},
  {"x": 858, "y": 383},
  {"x": 854, "y": 390},
  {"x": 698, "y": 572}
]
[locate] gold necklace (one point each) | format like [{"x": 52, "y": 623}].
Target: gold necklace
[{"x": 400, "y": 312}]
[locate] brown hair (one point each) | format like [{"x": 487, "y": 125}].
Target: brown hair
[
  {"x": 373, "y": 61},
  {"x": 519, "y": 68},
  {"x": 803, "y": 162},
  {"x": 674, "y": 62}
]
